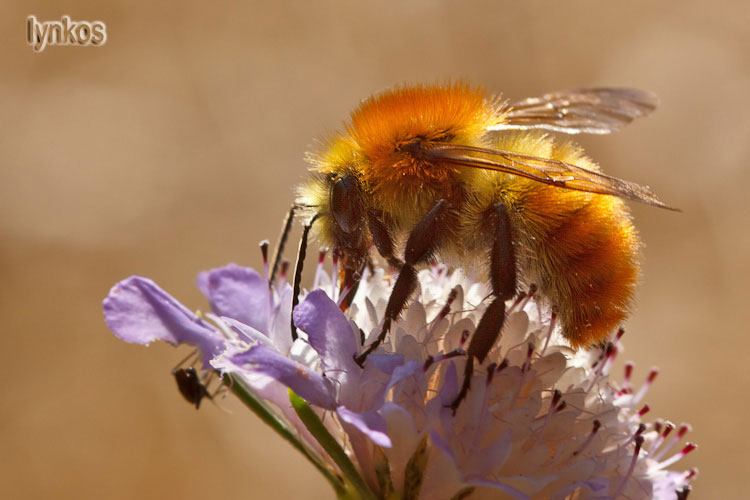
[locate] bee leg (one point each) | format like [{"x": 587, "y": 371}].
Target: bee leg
[
  {"x": 503, "y": 283},
  {"x": 286, "y": 227},
  {"x": 301, "y": 253},
  {"x": 420, "y": 246},
  {"x": 382, "y": 239}
]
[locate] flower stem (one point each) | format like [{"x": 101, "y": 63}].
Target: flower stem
[
  {"x": 245, "y": 394},
  {"x": 331, "y": 446}
]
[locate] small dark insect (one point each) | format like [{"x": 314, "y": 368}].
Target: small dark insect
[{"x": 190, "y": 385}]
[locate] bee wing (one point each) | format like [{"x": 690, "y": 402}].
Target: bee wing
[
  {"x": 544, "y": 170},
  {"x": 591, "y": 111}
]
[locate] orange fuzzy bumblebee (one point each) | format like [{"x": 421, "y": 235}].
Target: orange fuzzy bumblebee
[{"x": 452, "y": 158}]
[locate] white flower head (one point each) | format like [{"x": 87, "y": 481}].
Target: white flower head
[{"x": 540, "y": 420}]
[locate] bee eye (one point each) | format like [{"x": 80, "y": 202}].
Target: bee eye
[{"x": 344, "y": 203}]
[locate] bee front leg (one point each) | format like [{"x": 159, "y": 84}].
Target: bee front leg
[
  {"x": 503, "y": 282},
  {"x": 301, "y": 253},
  {"x": 382, "y": 239},
  {"x": 286, "y": 227},
  {"x": 422, "y": 242}
]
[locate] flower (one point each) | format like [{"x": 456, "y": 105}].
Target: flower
[{"x": 540, "y": 420}]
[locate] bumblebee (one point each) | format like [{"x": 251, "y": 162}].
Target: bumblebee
[{"x": 448, "y": 172}]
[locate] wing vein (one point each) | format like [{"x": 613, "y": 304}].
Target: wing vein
[{"x": 545, "y": 170}]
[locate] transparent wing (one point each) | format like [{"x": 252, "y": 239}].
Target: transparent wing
[
  {"x": 591, "y": 111},
  {"x": 544, "y": 170}
]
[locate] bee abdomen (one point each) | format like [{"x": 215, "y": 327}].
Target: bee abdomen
[{"x": 588, "y": 267}]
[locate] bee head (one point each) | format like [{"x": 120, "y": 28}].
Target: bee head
[{"x": 335, "y": 192}]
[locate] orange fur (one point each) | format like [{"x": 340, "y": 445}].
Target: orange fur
[{"x": 383, "y": 123}]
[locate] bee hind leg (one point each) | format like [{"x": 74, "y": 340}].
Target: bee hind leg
[
  {"x": 421, "y": 244},
  {"x": 503, "y": 282}
]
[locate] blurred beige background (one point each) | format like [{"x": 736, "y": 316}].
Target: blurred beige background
[{"x": 174, "y": 148}]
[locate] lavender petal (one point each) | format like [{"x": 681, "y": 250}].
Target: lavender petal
[
  {"x": 370, "y": 423},
  {"x": 443, "y": 446},
  {"x": 328, "y": 331},
  {"x": 307, "y": 384},
  {"x": 248, "y": 333},
  {"x": 404, "y": 371},
  {"x": 237, "y": 292},
  {"x": 386, "y": 363},
  {"x": 137, "y": 310}
]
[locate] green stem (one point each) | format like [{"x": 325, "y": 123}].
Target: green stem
[
  {"x": 246, "y": 395},
  {"x": 331, "y": 446}
]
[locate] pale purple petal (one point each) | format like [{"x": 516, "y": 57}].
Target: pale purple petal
[
  {"x": 307, "y": 384},
  {"x": 137, "y": 310},
  {"x": 442, "y": 479},
  {"x": 592, "y": 485},
  {"x": 281, "y": 333},
  {"x": 386, "y": 363},
  {"x": 508, "y": 490},
  {"x": 370, "y": 423},
  {"x": 443, "y": 446},
  {"x": 447, "y": 395},
  {"x": 493, "y": 457},
  {"x": 405, "y": 371},
  {"x": 362, "y": 448},
  {"x": 438, "y": 441},
  {"x": 450, "y": 387},
  {"x": 403, "y": 432},
  {"x": 248, "y": 333},
  {"x": 365, "y": 390},
  {"x": 499, "y": 451},
  {"x": 328, "y": 331},
  {"x": 237, "y": 292},
  {"x": 409, "y": 384}
]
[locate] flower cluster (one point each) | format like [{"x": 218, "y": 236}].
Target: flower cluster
[{"x": 540, "y": 420}]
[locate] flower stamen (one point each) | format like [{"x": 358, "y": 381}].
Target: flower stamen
[
  {"x": 662, "y": 436},
  {"x": 550, "y": 329},
  {"x": 319, "y": 268},
  {"x": 646, "y": 386},
  {"x": 638, "y": 444},
  {"x": 684, "y": 429},
  {"x": 597, "y": 426},
  {"x": 677, "y": 456},
  {"x": 335, "y": 256}
]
